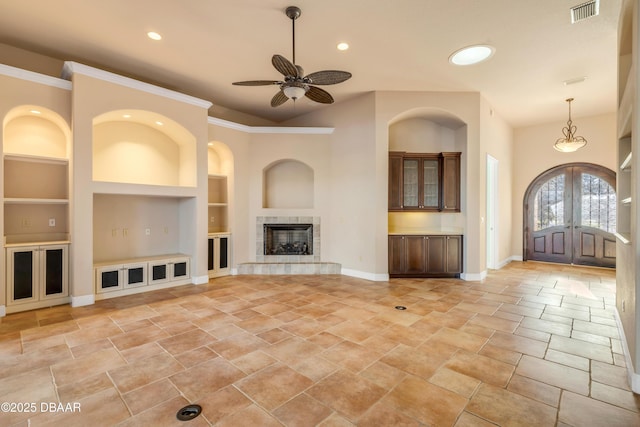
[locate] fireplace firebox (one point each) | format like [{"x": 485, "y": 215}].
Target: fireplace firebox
[{"x": 288, "y": 239}]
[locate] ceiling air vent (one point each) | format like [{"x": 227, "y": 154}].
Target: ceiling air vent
[{"x": 584, "y": 11}]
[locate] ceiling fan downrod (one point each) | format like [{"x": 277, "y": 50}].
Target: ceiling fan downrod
[{"x": 293, "y": 12}]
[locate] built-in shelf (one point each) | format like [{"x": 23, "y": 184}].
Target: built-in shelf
[
  {"x": 103, "y": 187},
  {"x": 624, "y": 238},
  {"x": 217, "y": 204},
  {"x": 626, "y": 202},
  {"x": 35, "y": 159},
  {"x": 31, "y": 201},
  {"x": 625, "y": 110}
]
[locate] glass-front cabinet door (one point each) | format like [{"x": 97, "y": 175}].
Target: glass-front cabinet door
[
  {"x": 430, "y": 184},
  {"x": 22, "y": 274},
  {"x": 410, "y": 180},
  {"x": 53, "y": 268}
]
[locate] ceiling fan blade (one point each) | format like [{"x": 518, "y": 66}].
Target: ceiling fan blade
[
  {"x": 278, "y": 99},
  {"x": 319, "y": 95},
  {"x": 257, "y": 83},
  {"x": 328, "y": 77},
  {"x": 284, "y": 66}
]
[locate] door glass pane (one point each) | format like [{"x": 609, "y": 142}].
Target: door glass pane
[
  {"x": 410, "y": 181},
  {"x": 22, "y": 275},
  {"x": 548, "y": 209},
  {"x": 430, "y": 168},
  {"x": 224, "y": 247},
  {"x": 179, "y": 269},
  {"x": 135, "y": 275},
  {"x": 159, "y": 272},
  {"x": 54, "y": 271},
  {"x": 109, "y": 279},
  {"x": 597, "y": 203},
  {"x": 210, "y": 254}
]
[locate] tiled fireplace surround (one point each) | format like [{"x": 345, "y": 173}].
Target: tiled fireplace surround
[{"x": 288, "y": 264}]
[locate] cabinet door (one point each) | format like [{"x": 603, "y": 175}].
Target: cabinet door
[
  {"x": 134, "y": 275},
  {"x": 53, "y": 265},
  {"x": 179, "y": 268},
  {"x": 415, "y": 254},
  {"x": 436, "y": 253},
  {"x": 411, "y": 183},
  {"x": 109, "y": 278},
  {"x": 451, "y": 182},
  {"x": 396, "y": 255},
  {"x": 224, "y": 253},
  {"x": 22, "y": 274},
  {"x": 454, "y": 254},
  {"x": 158, "y": 272},
  {"x": 395, "y": 181},
  {"x": 430, "y": 184}
]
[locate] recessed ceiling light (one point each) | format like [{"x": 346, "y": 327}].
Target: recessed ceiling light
[
  {"x": 159, "y": 123},
  {"x": 471, "y": 54},
  {"x": 35, "y": 112},
  {"x": 126, "y": 116},
  {"x": 154, "y": 36},
  {"x": 574, "y": 80},
  {"x": 210, "y": 144},
  {"x": 343, "y": 46}
]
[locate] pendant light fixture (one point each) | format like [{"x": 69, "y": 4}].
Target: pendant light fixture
[{"x": 570, "y": 142}]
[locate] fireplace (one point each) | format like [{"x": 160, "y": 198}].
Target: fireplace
[{"x": 288, "y": 239}]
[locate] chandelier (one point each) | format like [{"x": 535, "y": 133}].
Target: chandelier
[{"x": 570, "y": 142}]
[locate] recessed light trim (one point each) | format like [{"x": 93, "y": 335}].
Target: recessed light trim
[
  {"x": 154, "y": 36},
  {"x": 343, "y": 46},
  {"x": 472, "y": 54}
]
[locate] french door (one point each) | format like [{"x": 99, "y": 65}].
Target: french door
[{"x": 570, "y": 216}]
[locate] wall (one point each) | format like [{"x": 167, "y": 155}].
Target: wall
[
  {"x": 498, "y": 142},
  {"x": 534, "y": 153}
]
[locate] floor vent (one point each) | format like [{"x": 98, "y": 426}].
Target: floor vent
[{"x": 584, "y": 11}]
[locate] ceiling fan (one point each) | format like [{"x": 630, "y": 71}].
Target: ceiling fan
[{"x": 295, "y": 84}]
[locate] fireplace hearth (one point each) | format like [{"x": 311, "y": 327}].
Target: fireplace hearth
[{"x": 288, "y": 239}]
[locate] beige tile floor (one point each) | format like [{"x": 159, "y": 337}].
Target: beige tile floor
[{"x": 532, "y": 345}]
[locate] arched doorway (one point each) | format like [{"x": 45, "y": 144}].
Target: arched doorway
[{"x": 570, "y": 216}]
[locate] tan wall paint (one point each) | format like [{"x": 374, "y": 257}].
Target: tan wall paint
[
  {"x": 533, "y": 154},
  {"x": 498, "y": 138}
]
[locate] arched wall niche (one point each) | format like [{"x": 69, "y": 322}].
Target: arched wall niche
[
  {"x": 429, "y": 130},
  {"x": 32, "y": 130},
  {"x": 143, "y": 147},
  {"x": 219, "y": 159},
  {"x": 426, "y": 130},
  {"x": 288, "y": 184}
]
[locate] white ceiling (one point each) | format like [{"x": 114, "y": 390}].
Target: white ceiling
[{"x": 399, "y": 45}]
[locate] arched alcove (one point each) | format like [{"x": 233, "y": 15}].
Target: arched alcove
[
  {"x": 288, "y": 184},
  {"x": 220, "y": 186},
  {"x": 36, "y": 131},
  {"x": 142, "y": 147}
]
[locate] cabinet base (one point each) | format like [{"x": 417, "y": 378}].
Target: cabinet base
[
  {"x": 17, "y": 308},
  {"x": 426, "y": 276}
]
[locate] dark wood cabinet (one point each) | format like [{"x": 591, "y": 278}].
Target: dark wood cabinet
[
  {"x": 424, "y": 182},
  {"x": 425, "y": 256}
]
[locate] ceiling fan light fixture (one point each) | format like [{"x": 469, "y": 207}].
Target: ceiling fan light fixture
[
  {"x": 571, "y": 142},
  {"x": 472, "y": 54},
  {"x": 294, "y": 92}
]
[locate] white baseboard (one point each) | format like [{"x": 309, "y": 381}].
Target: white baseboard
[
  {"x": 632, "y": 376},
  {"x": 365, "y": 275},
  {"x": 200, "y": 280},
  {"x": 82, "y": 300},
  {"x": 3, "y": 311},
  {"x": 508, "y": 260},
  {"x": 234, "y": 271},
  {"x": 474, "y": 277}
]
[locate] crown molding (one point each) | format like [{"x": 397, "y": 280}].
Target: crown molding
[
  {"x": 270, "y": 129},
  {"x": 71, "y": 68},
  {"x": 19, "y": 73}
]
